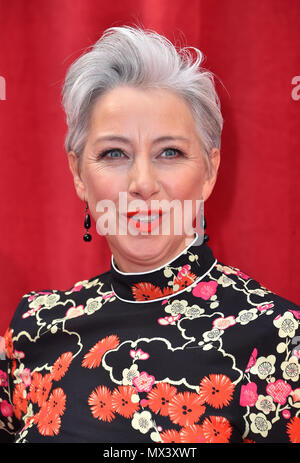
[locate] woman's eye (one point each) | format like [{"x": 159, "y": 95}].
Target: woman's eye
[
  {"x": 112, "y": 154},
  {"x": 171, "y": 153}
]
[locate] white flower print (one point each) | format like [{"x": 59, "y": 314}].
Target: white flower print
[
  {"x": 129, "y": 374},
  {"x": 264, "y": 366},
  {"x": 265, "y": 404},
  {"x": 142, "y": 421},
  {"x": 194, "y": 311},
  {"x": 246, "y": 316},
  {"x": 258, "y": 292},
  {"x": 212, "y": 335},
  {"x": 287, "y": 325},
  {"x": 291, "y": 369},
  {"x": 260, "y": 424},
  {"x": 51, "y": 300},
  {"x": 92, "y": 305},
  {"x": 37, "y": 302},
  {"x": 176, "y": 307},
  {"x": 225, "y": 281}
]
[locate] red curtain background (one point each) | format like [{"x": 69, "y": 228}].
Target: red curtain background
[{"x": 253, "y": 216}]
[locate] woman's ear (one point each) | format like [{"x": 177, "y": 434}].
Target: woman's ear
[
  {"x": 74, "y": 168},
  {"x": 214, "y": 159}
]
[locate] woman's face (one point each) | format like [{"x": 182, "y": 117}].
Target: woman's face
[{"x": 143, "y": 144}]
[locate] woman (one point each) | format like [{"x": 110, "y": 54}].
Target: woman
[{"x": 170, "y": 345}]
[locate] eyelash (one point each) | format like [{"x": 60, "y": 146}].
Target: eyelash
[{"x": 104, "y": 154}]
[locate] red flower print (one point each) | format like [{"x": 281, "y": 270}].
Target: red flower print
[
  {"x": 34, "y": 386},
  {"x": 9, "y": 347},
  {"x": 20, "y": 401},
  {"x": 160, "y": 396},
  {"x": 216, "y": 430},
  {"x": 57, "y": 401},
  {"x": 249, "y": 395},
  {"x": 192, "y": 434},
  {"x": 143, "y": 382},
  {"x": 279, "y": 391},
  {"x": 61, "y": 366},
  {"x": 205, "y": 289},
  {"x": 184, "y": 279},
  {"x": 216, "y": 390},
  {"x": 293, "y": 430},
  {"x": 122, "y": 403},
  {"x": 93, "y": 358},
  {"x": 100, "y": 402},
  {"x": 170, "y": 436},
  {"x": 44, "y": 389},
  {"x": 145, "y": 291},
  {"x": 47, "y": 420},
  {"x": 186, "y": 408}
]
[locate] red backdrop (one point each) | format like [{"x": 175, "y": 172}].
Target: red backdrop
[{"x": 253, "y": 216}]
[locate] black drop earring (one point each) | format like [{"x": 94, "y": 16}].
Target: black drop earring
[
  {"x": 87, "y": 224},
  {"x": 206, "y": 237}
]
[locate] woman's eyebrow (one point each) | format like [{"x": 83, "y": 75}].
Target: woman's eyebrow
[{"x": 122, "y": 139}]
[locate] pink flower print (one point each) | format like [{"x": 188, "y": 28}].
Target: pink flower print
[
  {"x": 144, "y": 402},
  {"x": 169, "y": 320},
  {"x": 184, "y": 270},
  {"x": 296, "y": 313},
  {"x": 165, "y": 301},
  {"x": 296, "y": 353},
  {"x": 223, "y": 323},
  {"x": 18, "y": 354},
  {"x": 31, "y": 312},
  {"x": 286, "y": 414},
  {"x": 248, "y": 395},
  {"x": 279, "y": 390},
  {"x": 74, "y": 312},
  {"x": 109, "y": 295},
  {"x": 143, "y": 382},
  {"x": 32, "y": 298},
  {"x": 3, "y": 378},
  {"x": 26, "y": 377},
  {"x": 76, "y": 288},
  {"x": 242, "y": 275},
  {"x": 252, "y": 360},
  {"x": 296, "y": 395},
  {"x": 264, "y": 307},
  {"x": 139, "y": 354},
  {"x": 6, "y": 408},
  {"x": 205, "y": 289}
]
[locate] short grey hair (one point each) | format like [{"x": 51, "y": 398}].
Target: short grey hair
[{"x": 140, "y": 58}]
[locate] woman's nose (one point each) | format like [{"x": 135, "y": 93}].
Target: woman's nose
[{"x": 143, "y": 182}]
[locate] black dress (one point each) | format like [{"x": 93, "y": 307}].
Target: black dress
[{"x": 194, "y": 351}]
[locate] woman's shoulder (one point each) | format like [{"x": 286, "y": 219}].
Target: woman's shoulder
[
  {"x": 253, "y": 290},
  {"x": 62, "y": 303}
]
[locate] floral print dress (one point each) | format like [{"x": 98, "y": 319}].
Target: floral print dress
[{"x": 192, "y": 352}]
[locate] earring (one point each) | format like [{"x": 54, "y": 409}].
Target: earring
[
  {"x": 206, "y": 237},
  {"x": 87, "y": 224}
]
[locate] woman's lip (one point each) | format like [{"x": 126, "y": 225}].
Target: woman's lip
[
  {"x": 145, "y": 226},
  {"x": 146, "y": 213}
]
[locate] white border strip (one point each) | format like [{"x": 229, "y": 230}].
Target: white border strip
[{"x": 167, "y": 296}]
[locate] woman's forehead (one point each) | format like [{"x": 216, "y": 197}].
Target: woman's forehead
[{"x": 126, "y": 108}]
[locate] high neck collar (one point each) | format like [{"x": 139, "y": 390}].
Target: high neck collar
[{"x": 174, "y": 277}]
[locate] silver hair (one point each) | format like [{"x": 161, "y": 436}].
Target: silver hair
[{"x": 140, "y": 58}]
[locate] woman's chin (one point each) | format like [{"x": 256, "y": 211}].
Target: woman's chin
[{"x": 146, "y": 250}]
